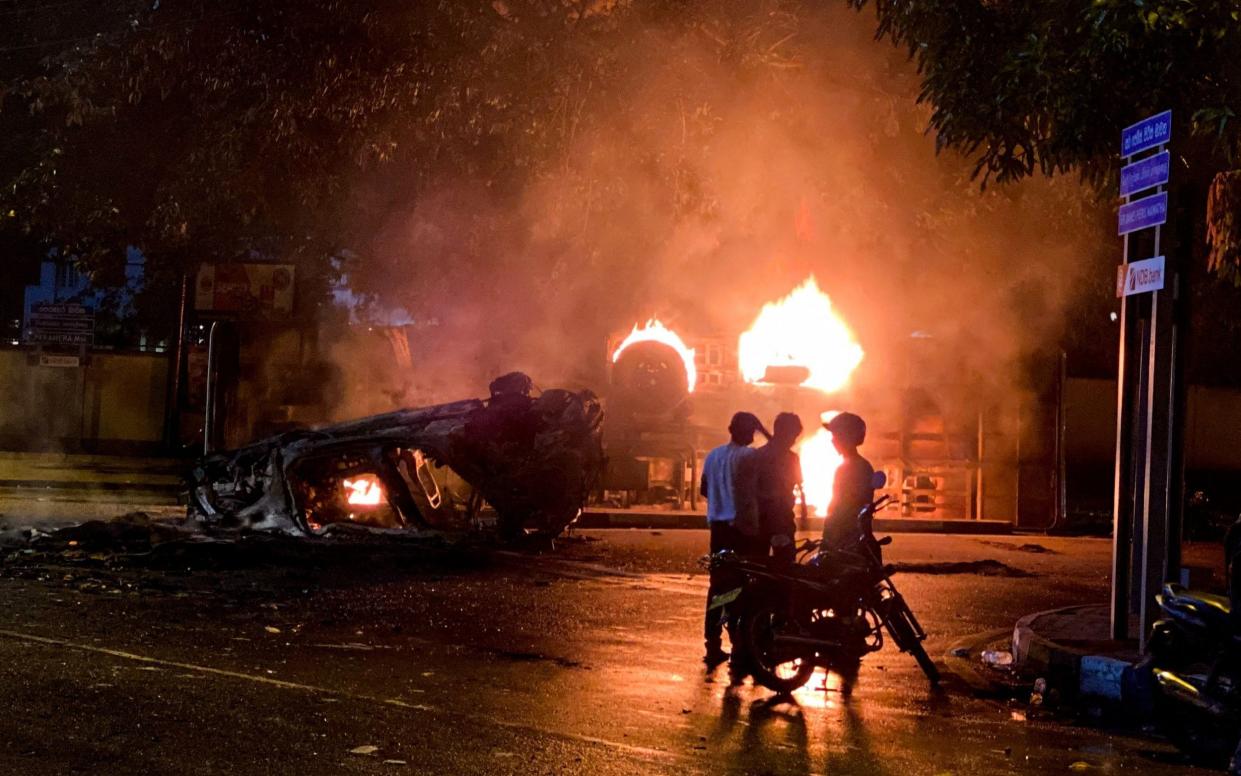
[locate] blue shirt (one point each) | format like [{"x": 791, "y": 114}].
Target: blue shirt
[{"x": 730, "y": 483}]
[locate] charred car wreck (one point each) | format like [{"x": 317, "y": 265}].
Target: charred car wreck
[{"x": 527, "y": 462}]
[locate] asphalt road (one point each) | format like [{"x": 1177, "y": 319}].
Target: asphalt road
[{"x": 585, "y": 660}]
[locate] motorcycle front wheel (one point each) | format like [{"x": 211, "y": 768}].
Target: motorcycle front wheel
[
  {"x": 904, "y": 637},
  {"x": 780, "y": 669}
]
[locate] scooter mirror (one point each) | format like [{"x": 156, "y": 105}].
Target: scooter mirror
[{"x": 878, "y": 480}]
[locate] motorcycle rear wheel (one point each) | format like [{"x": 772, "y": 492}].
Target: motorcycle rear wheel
[{"x": 771, "y": 668}]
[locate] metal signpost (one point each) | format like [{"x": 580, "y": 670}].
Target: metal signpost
[{"x": 1146, "y": 517}]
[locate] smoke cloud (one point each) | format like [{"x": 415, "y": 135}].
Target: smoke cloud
[{"x": 728, "y": 157}]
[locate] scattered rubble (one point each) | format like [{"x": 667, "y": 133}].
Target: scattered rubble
[
  {"x": 1029, "y": 547},
  {"x": 986, "y": 568},
  {"x": 136, "y": 553}
]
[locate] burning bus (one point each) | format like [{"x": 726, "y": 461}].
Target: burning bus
[{"x": 673, "y": 390}]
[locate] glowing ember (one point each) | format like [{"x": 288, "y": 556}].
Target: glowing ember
[
  {"x": 364, "y": 491},
  {"x": 819, "y": 461},
  {"x": 800, "y": 339},
  {"x": 654, "y": 331}
]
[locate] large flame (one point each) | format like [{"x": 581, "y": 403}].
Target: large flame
[
  {"x": 800, "y": 333},
  {"x": 819, "y": 461},
  {"x": 654, "y": 331},
  {"x": 364, "y": 491}
]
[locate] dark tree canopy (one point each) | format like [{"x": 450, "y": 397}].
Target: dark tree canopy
[
  {"x": 1047, "y": 87},
  {"x": 199, "y": 130},
  {"x": 207, "y": 131},
  {"x": 583, "y": 158}
]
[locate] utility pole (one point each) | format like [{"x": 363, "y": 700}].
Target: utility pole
[{"x": 172, "y": 409}]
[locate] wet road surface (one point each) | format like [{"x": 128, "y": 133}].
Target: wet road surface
[{"x": 581, "y": 661}]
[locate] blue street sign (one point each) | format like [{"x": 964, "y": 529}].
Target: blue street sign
[
  {"x": 1146, "y": 174},
  {"x": 1144, "y": 213},
  {"x": 1147, "y": 133}
]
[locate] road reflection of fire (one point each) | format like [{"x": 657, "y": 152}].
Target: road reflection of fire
[
  {"x": 363, "y": 491},
  {"x": 800, "y": 340},
  {"x": 654, "y": 331}
]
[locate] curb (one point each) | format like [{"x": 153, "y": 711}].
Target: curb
[
  {"x": 620, "y": 518},
  {"x": 1080, "y": 672}
]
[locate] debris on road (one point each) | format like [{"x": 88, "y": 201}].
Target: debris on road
[
  {"x": 986, "y": 568},
  {"x": 1029, "y": 547},
  {"x": 997, "y": 658},
  {"x": 136, "y": 553},
  {"x": 365, "y": 750}
]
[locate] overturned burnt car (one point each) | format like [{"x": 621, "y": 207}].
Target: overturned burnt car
[{"x": 525, "y": 462}]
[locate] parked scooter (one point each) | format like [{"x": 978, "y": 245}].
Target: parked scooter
[
  {"x": 1195, "y": 663},
  {"x": 830, "y": 608}
]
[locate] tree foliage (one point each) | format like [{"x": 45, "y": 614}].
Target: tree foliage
[
  {"x": 546, "y": 141},
  {"x": 200, "y": 130},
  {"x": 1046, "y": 87}
]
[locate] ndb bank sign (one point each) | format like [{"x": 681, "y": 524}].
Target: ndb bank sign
[{"x": 1139, "y": 277}]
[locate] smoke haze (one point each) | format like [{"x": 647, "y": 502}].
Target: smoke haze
[{"x": 726, "y": 158}]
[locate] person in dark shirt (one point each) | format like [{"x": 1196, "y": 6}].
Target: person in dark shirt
[
  {"x": 853, "y": 487},
  {"x": 779, "y": 485}
]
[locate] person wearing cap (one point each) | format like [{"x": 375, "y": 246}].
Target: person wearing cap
[
  {"x": 730, "y": 485},
  {"x": 853, "y": 486},
  {"x": 779, "y": 483}
]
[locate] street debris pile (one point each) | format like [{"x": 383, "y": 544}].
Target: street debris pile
[
  {"x": 1035, "y": 549},
  {"x": 986, "y": 568},
  {"x": 525, "y": 462},
  {"x": 138, "y": 552}
]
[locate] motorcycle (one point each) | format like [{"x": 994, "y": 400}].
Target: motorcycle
[
  {"x": 1194, "y": 659},
  {"x": 828, "y": 608}
]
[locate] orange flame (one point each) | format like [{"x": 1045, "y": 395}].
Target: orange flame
[
  {"x": 800, "y": 331},
  {"x": 364, "y": 491},
  {"x": 654, "y": 331},
  {"x": 819, "y": 461}
]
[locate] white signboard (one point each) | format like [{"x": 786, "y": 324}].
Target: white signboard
[
  {"x": 61, "y": 323},
  {"x": 50, "y": 359},
  {"x": 1138, "y": 277}
]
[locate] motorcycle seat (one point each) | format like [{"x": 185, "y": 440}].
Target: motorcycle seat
[
  {"x": 833, "y": 575},
  {"x": 1212, "y": 611},
  {"x": 805, "y": 571}
]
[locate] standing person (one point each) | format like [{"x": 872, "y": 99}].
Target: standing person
[
  {"x": 853, "y": 487},
  {"x": 779, "y": 485},
  {"x": 730, "y": 485}
]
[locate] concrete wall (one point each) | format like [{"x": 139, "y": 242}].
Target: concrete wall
[{"x": 114, "y": 403}]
